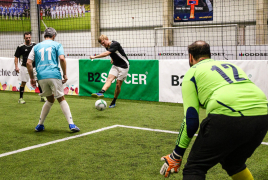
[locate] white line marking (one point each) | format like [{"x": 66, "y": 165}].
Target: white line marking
[
  {"x": 148, "y": 129},
  {"x": 91, "y": 132},
  {"x": 56, "y": 141},
  {"x": 44, "y": 24},
  {"x": 159, "y": 130}
]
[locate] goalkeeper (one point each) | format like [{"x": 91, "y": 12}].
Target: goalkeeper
[{"x": 236, "y": 121}]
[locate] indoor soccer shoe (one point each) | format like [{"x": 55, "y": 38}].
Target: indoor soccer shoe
[
  {"x": 74, "y": 128},
  {"x": 39, "y": 127},
  {"x": 97, "y": 95},
  {"x": 21, "y": 101},
  {"x": 43, "y": 99},
  {"x": 112, "y": 106}
]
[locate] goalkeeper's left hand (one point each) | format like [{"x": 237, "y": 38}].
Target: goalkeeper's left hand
[{"x": 171, "y": 164}]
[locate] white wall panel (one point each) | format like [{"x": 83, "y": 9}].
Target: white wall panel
[
  {"x": 171, "y": 74},
  {"x": 10, "y": 40},
  {"x": 131, "y": 38},
  {"x": 74, "y": 39},
  {"x": 119, "y": 13}
]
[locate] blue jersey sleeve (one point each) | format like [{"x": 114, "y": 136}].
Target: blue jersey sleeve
[{"x": 60, "y": 50}]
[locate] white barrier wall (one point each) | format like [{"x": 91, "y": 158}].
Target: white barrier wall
[
  {"x": 171, "y": 73},
  {"x": 177, "y": 53},
  {"x": 9, "y": 78}
]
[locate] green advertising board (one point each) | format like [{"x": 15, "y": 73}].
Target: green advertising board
[{"x": 142, "y": 82}]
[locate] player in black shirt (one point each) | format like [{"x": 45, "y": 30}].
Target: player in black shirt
[
  {"x": 21, "y": 54},
  {"x": 49, "y": 13},
  {"x": 46, "y": 12},
  {"x": 119, "y": 69},
  {"x": 24, "y": 14},
  {"x": 28, "y": 13}
]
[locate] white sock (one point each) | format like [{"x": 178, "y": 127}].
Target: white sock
[
  {"x": 66, "y": 111},
  {"x": 45, "y": 110}
]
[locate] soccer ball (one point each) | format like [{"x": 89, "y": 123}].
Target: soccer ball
[{"x": 100, "y": 104}]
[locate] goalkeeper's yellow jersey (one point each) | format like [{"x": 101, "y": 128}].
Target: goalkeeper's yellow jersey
[{"x": 221, "y": 88}]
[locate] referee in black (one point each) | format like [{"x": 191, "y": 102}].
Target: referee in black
[
  {"x": 21, "y": 54},
  {"x": 119, "y": 69}
]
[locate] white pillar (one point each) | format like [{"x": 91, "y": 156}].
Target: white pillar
[
  {"x": 34, "y": 21},
  {"x": 95, "y": 22},
  {"x": 261, "y": 22},
  {"x": 168, "y": 22}
]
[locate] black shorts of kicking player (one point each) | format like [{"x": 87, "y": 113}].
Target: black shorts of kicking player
[{"x": 227, "y": 140}]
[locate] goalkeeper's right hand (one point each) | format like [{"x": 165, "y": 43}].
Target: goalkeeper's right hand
[{"x": 171, "y": 164}]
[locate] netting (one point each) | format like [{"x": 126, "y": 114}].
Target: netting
[{"x": 146, "y": 29}]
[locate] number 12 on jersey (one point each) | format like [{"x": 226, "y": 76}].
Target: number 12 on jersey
[{"x": 226, "y": 66}]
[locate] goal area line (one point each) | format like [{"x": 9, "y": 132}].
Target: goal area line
[{"x": 88, "y": 133}]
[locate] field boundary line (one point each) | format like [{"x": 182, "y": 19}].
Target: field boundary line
[
  {"x": 88, "y": 133},
  {"x": 56, "y": 141},
  {"x": 159, "y": 130},
  {"x": 148, "y": 129}
]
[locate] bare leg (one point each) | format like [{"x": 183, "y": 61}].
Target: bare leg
[
  {"x": 117, "y": 88},
  {"x": 116, "y": 92},
  {"x": 108, "y": 82}
]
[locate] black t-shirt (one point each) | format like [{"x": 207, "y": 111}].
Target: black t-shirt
[
  {"x": 118, "y": 55},
  {"x": 23, "y": 52}
]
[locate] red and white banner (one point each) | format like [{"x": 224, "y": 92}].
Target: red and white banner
[{"x": 9, "y": 78}]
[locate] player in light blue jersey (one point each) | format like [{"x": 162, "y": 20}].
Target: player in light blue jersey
[
  {"x": 5, "y": 12},
  {"x": 20, "y": 11},
  {"x": 45, "y": 55},
  {"x": 10, "y": 11},
  {"x": 1, "y": 11}
]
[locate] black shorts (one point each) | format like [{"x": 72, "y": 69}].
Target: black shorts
[{"x": 227, "y": 140}]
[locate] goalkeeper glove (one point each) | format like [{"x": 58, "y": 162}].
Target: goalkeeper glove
[{"x": 171, "y": 164}]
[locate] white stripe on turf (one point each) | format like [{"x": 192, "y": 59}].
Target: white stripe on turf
[
  {"x": 92, "y": 132},
  {"x": 159, "y": 130},
  {"x": 56, "y": 141},
  {"x": 44, "y": 24},
  {"x": 148, "y": 129}
]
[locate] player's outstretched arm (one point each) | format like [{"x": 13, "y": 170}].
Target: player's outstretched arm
[
  {"x": 188, "y": 128},
  {"x": 104, "y": 54}
]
